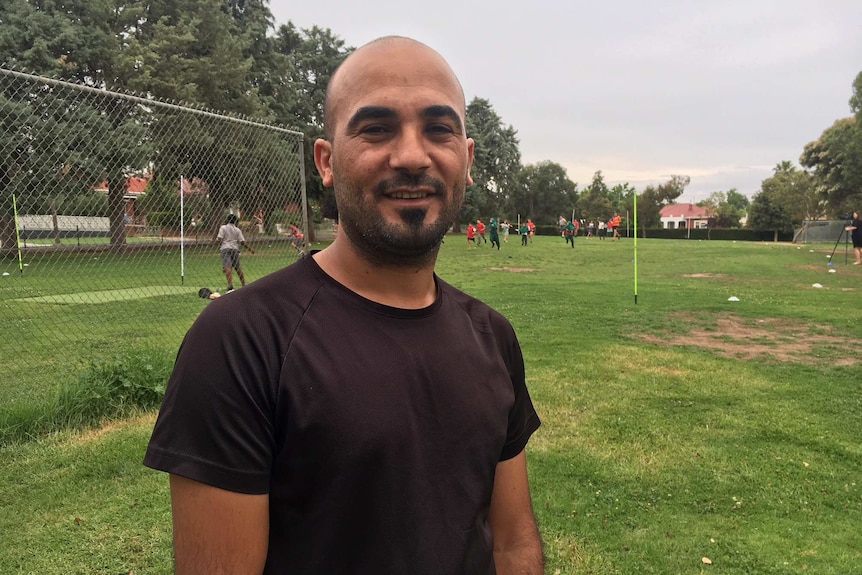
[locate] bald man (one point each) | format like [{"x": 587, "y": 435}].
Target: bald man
[{"x": 353, "y": 413}]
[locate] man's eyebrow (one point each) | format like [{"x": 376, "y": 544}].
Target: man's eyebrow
[
  {"x": 367, "y": 113},
  {"x": 370, "y": 113},
  {"x": 441, "y": 111}
]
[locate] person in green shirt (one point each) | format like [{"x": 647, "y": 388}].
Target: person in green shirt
[
  {"x": 495, "y": 234},
  {"x": 569, "y": 233}
]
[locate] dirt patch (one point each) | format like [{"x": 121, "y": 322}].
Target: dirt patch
[
  {"x": 89, "y": 435},
  {"x": 779, "y": 340},
  {"x": 706, "y": 276},
  {"x": 513, "y": 270}
]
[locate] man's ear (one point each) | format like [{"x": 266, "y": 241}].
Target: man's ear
[
  {"x": 323, "y": 160},
  {"x": 471, "y": 145}
]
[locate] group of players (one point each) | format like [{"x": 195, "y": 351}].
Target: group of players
[{"x": 569, "y": 230}]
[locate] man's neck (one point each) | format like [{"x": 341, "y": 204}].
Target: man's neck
[{"x": 401, "y": 287}]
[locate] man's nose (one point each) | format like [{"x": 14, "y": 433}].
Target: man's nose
[{"x": 410, "y": 151}]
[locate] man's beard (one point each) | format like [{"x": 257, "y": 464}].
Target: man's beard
[{"x": 412, "y": 241}]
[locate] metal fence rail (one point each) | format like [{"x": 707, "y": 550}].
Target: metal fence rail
[{"x": 109, "y": 205}]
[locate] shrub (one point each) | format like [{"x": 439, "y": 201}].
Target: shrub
[
  {"x": 115, "y": 387},
  {"x": 131, "y": 381}
]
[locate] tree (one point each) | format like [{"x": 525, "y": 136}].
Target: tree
[
  {"x": 496, "y": 162},
  {"x": 835, "y": 159},
  {"x": 767, "y": 215},
  {"x": 728, "y": 209},
  {"x": 295, "y": 85},
  {"x": 654, "y": 198},
  {"x": 543, "y": 191},
  {"x": 594, "y": 201},
  {"x": 856, "y": 97},
  {"x": 794, "y": 190}
]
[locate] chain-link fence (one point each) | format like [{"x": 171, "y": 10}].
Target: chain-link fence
[
  {"x": 109, "y": 208},
  {"x": 821, "y": 231}
]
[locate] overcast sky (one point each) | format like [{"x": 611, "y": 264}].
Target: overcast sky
[{"x": 718, "y": 91}]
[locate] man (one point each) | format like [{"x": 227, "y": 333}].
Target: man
[
  {"x": 480, "y": 230},
  {"x": 297, "y": 239},
  {"x": 532, "y": 228},
  {"x": 855, "y": 229},
  {"x": 471, "y": 235},
  {"x": 495, "y": 234},
  {"x": 353, "y": 413},
  {"x": 524, "y": 230},
  {"x": 231, "y": 239},
  {"x": 614, "y": 225},
  {"x": 569, "y": 231}
]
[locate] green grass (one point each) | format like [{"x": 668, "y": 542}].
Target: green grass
[{"x": 653, "y": 454}]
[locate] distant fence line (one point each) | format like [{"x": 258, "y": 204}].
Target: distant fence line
[{"x": 84, "y": 168}]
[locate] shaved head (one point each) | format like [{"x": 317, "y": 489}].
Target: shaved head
[{"x": 349, "y": 74}]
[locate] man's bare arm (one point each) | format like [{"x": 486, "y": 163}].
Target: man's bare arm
[
  {"x": 517, "y": 544},
  {"x": 218, "y": 532}
]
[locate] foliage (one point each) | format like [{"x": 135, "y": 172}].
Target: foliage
[
  {"x": 654, "y": 198},
  {"x": 130, "y": 382},
  {"x": 836, "y": 161},
  {"x": 543, "y": 191},
  {"x": 766, "y": 214},
  {"x": 496, "y": 163},
  {"x": 728, "y": 209},
  {"x": 594, "y": 202},
  {"x": 796, "y": 192}
]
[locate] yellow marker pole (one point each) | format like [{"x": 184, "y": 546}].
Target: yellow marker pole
[
  {"x": 636, "y": 246},
  {"x": 17, "y": 234}
]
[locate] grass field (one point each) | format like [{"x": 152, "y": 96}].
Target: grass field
[{"x": 684, "y": 434}]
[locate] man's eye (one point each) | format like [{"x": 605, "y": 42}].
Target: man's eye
[
  {"x": 374, "y": 130},
  {"x": 440, "y": 129}
]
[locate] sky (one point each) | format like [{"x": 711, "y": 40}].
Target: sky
[{"x": 718, "y": 91}]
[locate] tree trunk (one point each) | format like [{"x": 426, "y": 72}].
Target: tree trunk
[
  {"x": 55, "y": 222},
  {"x": 8, "y": 238},
  {"x": 117, "y": 210}
]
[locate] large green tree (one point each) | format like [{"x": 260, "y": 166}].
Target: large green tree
[
  {"x": 305, "y": 61},
  {"x": 594, "y": 201},
  {"x": 728, "y": 208},
  {"x": 654, "y": 198},
  {"x": 496, "y": 162},
  {"x": 795, "y": 191},
  {"x": 765, "y": 214},
  {"x": 75, "y": 140},
  {"x": 542, "y": 192},
  {"x": 835, "y": 159}
]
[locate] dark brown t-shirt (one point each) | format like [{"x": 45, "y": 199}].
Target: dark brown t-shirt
[{"x": 375, "y": 431}]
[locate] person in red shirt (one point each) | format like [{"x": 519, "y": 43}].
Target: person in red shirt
[
  {"x": 532, "y": 228},
  {"x": 297, "y": 239},
  {"x": 471, "y": 234},
  {"x": 614, "y": 224},
  {"x": 480, "y": 230}
]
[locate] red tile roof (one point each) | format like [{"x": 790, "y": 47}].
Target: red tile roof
[{"x": 687, "y": 211}]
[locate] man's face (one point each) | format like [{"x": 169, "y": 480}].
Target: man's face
[{"x": 399, "y": 159}]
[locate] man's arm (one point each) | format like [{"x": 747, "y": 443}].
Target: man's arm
[
  {"x": 248, "y": 247},
  {"x": 218, "y": 532},
  {"x": 517, "y": 544}
]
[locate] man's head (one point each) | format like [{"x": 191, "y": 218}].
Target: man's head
[
  {"x": 396, "y": 151},
  {"x": 232, "y": 219}
]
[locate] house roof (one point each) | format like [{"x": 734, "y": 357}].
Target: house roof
[{"x": 687, "y": 211}]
